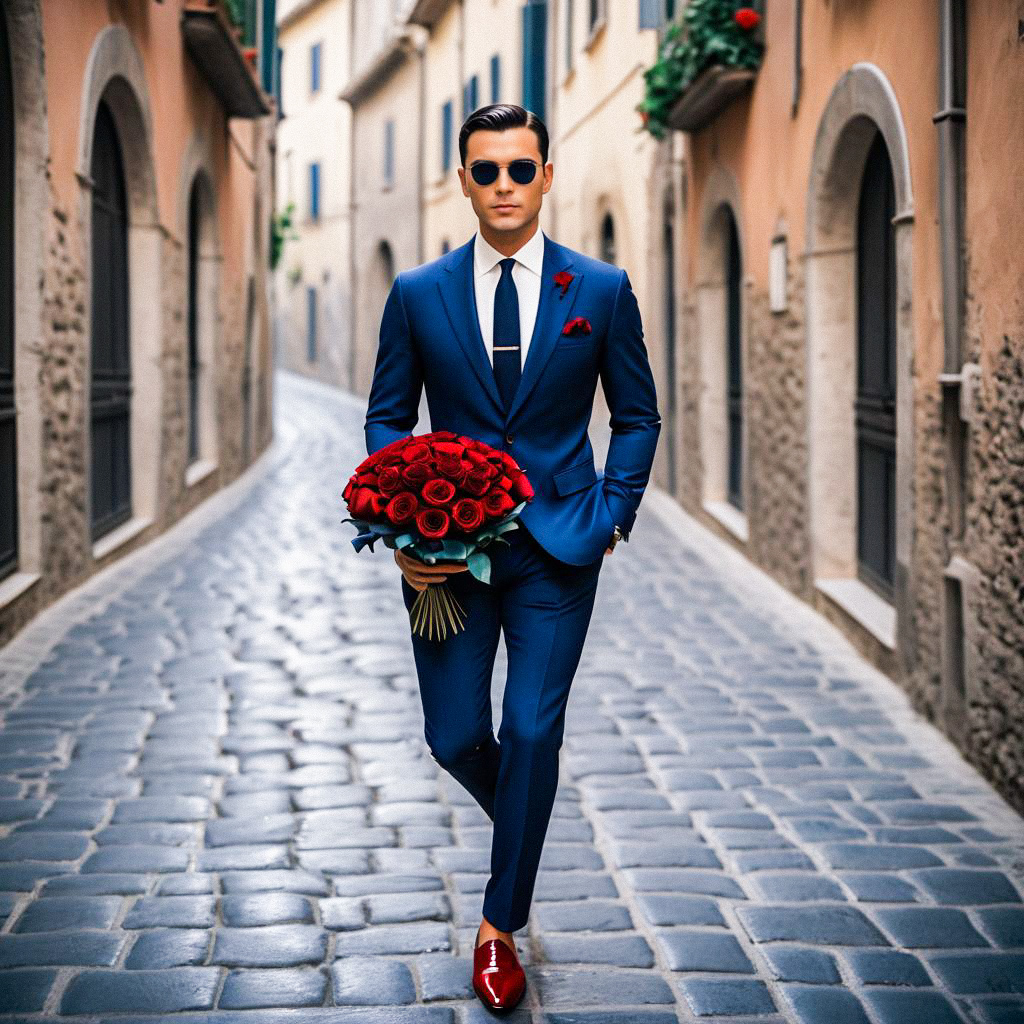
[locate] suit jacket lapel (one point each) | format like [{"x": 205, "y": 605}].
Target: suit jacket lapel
[
  {"x": 553, "y": 310},
  {"x": 459, "y": 297}
]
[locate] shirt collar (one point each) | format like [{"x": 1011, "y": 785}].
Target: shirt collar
[{"x": 530, "y": 254}]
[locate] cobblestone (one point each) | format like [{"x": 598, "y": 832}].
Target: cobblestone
[{"x": 216, "y": 803}]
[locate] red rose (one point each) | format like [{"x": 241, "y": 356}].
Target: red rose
[
  {"x": 497, "y": 504},
  {"x": 349, "y": 488},
  {"x": 402, "y": 507},
  {"x": 389, "y": 479},
  {"x": 392, "y": 448},
  {"x": 475, "y": 457},
  {"x": 747, "y": 18},
  {"x": 438, "y": 491},
  {"x": 521, "y": 488},
  {"x": 366, "y": 504},
  {"x": 416, "y": 474},
  {"x": 504, "y": 482},
  {"x": 366, "y": 479},
  {"x": 416, "y": 452},
  {"x": 448, "y": 448},
  {"x": 452, "y": 468},
  {"x": 476, "y": 482},
  {"x": 468, "y": 514},
  {"x": 432, "y": 522},
  {"x": 509, "y": 462}
]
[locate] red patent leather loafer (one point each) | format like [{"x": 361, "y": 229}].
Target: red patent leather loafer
[{"x": 498, "y": 977}]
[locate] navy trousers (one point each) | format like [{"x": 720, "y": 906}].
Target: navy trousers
[{"x": 543, "y": 606}]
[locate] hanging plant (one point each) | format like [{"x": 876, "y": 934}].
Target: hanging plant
[
  {"x": 281, "y": 230},
  {"x": 710, "y": 32}
]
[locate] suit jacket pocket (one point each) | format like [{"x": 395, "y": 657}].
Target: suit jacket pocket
[{"x": 575, "y": 478}]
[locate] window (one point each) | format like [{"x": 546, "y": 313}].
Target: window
[
  {"x": 875, "y": 404},
  {"x": 495, "y": 78},
  {"x": 389, "y": 153},
  {"x": 8, "y": 427},
  {"x": 470, "y": 99},
  {"x": 315, "y": 59},
  {"x": 311, "y": 324},
  {"x": 535, "y": 14},
  {"x": 314, "y": 191},
  {"x": 595, "y": 14},
  {"x": 193, "y": 322},
  {"x": 608, "y": 239},
  {"x": 111, "y": 382},
  {"x": 734, "y": 363},
  {"x": 446, "y": 137},
  {"x": 655, "y": 13}
]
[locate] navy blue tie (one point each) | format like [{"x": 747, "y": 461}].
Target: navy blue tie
[{"x": 505, "y": 337}]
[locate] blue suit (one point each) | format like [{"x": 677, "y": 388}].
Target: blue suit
[{"x": 544, "y": 581}]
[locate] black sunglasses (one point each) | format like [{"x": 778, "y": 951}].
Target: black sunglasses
[{"x": 485, "y": 172}]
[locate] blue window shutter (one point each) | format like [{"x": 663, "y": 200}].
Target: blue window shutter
[
  {"x": 495, "y": 78},
  {"x": 314, "y": 191},
  {"x": 535, "y": 16},
  {"x": 314, "y": 67},
  {"x": 446, "y": 136},
  {"x": 651, "y": 13},
  {"x": 270, "y": 53}
]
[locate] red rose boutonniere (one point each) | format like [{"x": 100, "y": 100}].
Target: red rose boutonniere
[
  {"x": 577, "y": 325},
  {"x": 563, "y": 279}
]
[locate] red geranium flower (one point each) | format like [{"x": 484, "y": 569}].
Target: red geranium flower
[
  {"x": 438, "y": 492},
  {"x": 402, "y": 507},
  {"x": 432, "y": 522},
  {"x": 468, "y": 514},
  {"x": 747, "y": 18},
  {"x": 497, "y": 503}
]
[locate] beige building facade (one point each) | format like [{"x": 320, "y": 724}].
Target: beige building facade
[
  {"x": 850, "y": 376},
  {"x": 313, "y": 278},
  {"x": 135, "y": 372}
]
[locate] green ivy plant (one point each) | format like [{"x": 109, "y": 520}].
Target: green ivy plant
[
  {"x": 709, "y": 32},
  {"x": 282, "y": 229}
]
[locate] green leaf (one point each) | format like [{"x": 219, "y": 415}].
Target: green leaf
[{"x": 480, "y": 566}]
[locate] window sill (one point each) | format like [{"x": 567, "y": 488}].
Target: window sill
[
  {"x": 119, "y": 537},
  {"x": 595, "y": 33},
  {"x": 730, "y": 517},
  {"x": 864, "y": 606},
  {"x": 15, "y": 585},
  {"x": 199, "y": 471}
]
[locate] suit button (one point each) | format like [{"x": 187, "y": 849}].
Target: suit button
[{"x": 509, "y": 439}]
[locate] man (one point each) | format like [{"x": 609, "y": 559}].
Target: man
[{"x": 483, "y": 329}]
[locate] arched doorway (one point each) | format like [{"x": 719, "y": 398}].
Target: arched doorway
[
  {"x": 875, "y": 402},
  {"x": 8, "y": 425},
  {"x": 111, "y": 380}
]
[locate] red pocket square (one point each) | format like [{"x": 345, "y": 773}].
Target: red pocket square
[{"x": 577, "y": 325}]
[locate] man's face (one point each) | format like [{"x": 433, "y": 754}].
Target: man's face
[{"x": 505, "y": 205}]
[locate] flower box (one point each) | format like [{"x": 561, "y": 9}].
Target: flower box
[{"x": 708, "y": 95}]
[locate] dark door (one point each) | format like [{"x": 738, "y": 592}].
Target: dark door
[
  {"x": 8, "y": 444},
  {"x": 111, "y": 370},
  {"x": 875, "y": 404},
  {"x": 734, "y": 362},
  {"x": 193, "y": 323}
]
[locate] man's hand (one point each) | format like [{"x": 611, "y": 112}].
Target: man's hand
[{"x": 418, "y": 574}]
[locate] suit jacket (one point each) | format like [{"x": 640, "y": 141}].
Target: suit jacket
[{"x": 430, "y": 337}]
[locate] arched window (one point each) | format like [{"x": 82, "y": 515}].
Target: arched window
[
  {"x": 8, "y": 431},
  {"x": 193, "y": 322},
  {"x": 875, "y": 403},
  {"x": 734, "y": 362},
  {"x": 608, "y": 239},
  {"x": 111, "y": 385}
]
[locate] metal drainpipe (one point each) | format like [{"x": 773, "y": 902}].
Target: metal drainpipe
[{"x": 951, "y": 121}]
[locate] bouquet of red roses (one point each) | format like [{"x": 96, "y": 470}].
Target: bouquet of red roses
[{"x": 439, "y": 497}]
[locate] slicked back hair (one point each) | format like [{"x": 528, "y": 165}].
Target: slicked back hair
[{"x": 497, "y": 117}]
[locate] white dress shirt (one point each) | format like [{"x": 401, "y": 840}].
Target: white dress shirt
[{"x": 526, "y": 272}]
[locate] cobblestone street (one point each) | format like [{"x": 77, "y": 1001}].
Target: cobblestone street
[{"x": 216, "y": 800}]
